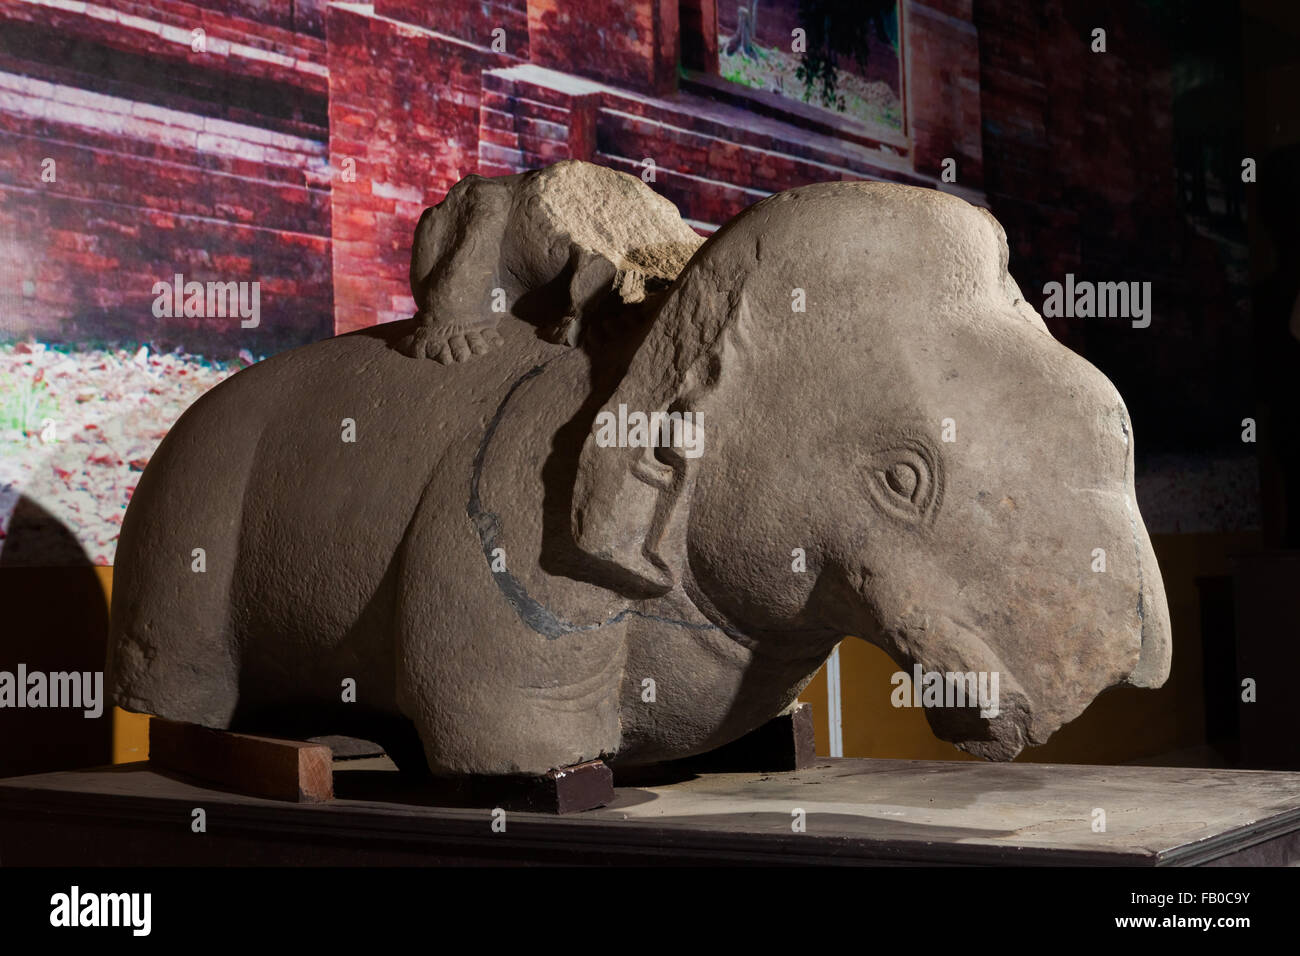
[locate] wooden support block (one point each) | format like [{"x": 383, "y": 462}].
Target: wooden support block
[
  {"x": 257, "y": 766},
  {"x": 783, "y": 743},
  {"x": 584, "y": 786}
]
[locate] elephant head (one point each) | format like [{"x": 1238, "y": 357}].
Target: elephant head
[
  {"x": 572, "y": 241},
  {"x": 873, "y": 389}
]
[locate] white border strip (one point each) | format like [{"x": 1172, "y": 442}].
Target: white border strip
[{"x": 834, "y": 712}]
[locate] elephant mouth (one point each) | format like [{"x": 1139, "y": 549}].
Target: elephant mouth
[
  {"x": 970, "y": 697},
  {"x": 999, "y": 737}
]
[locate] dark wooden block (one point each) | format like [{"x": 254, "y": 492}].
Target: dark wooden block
[
  {"x": 257, "y": 766},
  {"x": 584, "y": 786},
  {"x": 783, "y": 743}
]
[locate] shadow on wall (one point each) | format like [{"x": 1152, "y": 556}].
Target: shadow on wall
[{"x": 55, "y": 622}]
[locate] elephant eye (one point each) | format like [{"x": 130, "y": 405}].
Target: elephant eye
[
  {"x": 905, "y": 481},
  {"x": 902, "y": 479}
]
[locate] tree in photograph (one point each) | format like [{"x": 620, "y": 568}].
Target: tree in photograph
[{"x": 742, "y": 41}]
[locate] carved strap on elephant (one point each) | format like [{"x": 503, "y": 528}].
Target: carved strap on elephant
[{"x": 564, "y": 248}]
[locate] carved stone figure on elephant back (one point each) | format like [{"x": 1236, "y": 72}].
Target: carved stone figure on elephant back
[{"x": 840, "y": 418}]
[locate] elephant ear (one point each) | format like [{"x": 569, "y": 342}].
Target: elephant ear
[
  {"x": 454, "y": 261},
  {"x": 625, "y": 499}
]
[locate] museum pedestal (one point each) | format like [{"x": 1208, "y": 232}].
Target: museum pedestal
[{"x": 853, "y": 811}]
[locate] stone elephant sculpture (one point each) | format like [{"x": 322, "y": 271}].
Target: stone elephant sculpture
[{"x": 501, "y": 560}]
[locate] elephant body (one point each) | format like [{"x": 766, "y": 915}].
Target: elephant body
[{"x": 360, "y": 560}]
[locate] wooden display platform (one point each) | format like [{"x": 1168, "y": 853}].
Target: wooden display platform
[{"x": 855, "y": 811}]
